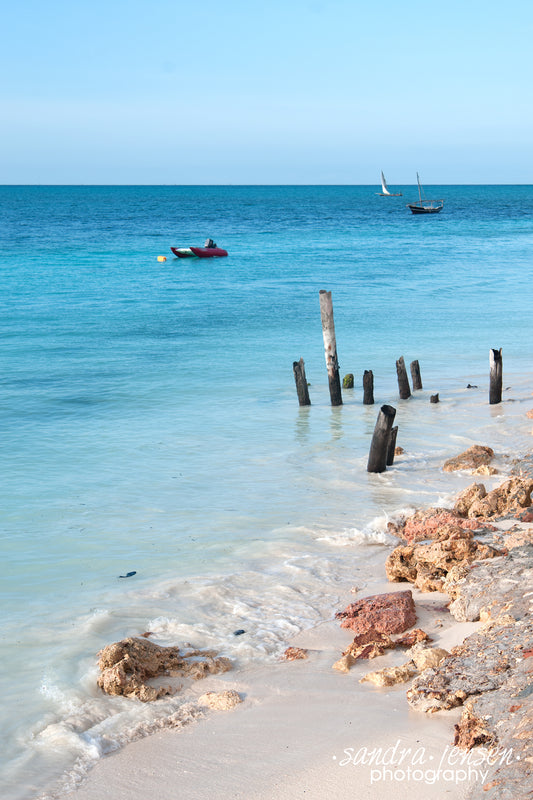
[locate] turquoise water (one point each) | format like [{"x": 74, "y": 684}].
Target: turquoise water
[{"x": 149, "y": 420}]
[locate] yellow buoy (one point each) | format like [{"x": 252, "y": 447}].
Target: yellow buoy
[{"x": 161, "y": 258}]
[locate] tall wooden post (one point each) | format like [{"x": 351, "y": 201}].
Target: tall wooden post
[
  {"x": 415, "y": 375},
  {"x": 298, "y": 368},
  {"x": 330, "y": 347},
  {"x": 495, "y": 391},
  {"x": 403, "y": 380},
  {"x": 368, "y": 388},
  {"x": 379, "y": 448}
]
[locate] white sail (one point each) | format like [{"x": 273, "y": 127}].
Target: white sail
[{"x": 384, "y": 184}]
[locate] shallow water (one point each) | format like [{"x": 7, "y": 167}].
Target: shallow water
[{"x": 150, "y": 423}]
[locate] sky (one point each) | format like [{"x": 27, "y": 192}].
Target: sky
[{"x": 269, "y": 92}]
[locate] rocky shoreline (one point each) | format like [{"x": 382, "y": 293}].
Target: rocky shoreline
[{"x": 480, "y": 553}]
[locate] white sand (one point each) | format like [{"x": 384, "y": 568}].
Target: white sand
[{"x": 297, "y": 732}]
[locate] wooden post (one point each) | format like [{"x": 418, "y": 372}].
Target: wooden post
[
  {"x": 377, "y": 458},
  {"x": 330, "y": 347},
  {"x": 495, "y": 392},
  {"x": 392, "y": 446},
  {"x": 368, "y": 388},
  {"x": 403, "y": 380},
  {"x": 415, "y": 375},
  {"x": 347, "y": 381},
  {"x": 298, "y": 368},
  {"x": 434, "y": 398}
]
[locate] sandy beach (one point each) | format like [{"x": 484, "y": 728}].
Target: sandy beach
[{"x": 302, "y": 730}]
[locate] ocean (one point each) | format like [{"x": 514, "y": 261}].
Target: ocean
[{"x": 150, "y": 422}]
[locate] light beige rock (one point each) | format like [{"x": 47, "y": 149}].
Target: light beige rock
[
  {"x": 425, "y": 657},
  {"x": 344, "y": 663},
  {"x": 389, "y": 676},
  {"x": 221, "y": 701}
]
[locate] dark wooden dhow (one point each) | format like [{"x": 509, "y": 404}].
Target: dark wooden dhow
[
  {"x": 330, "y": 347},
  {"x": 368, "y": 388},
  {"x": 298, "y": 368},
  {"x": 403, "y": 380},
  {"x": 379, "y": 448},
  {"x": 415, "y": 375},
  {"x": 496, "y": 377}
]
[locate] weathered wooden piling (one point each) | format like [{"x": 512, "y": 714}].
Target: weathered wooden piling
[
  {"x": 330, "y": 347},
  {"x": 298, "y": 368},
  {"x": 415, "y": 375},
  {"x": 379, "y": 448},
  {"x": 403, "y": 380},
  {"x": 368, "y": 388},
  {"x": 496, "y": 377},
  {"x": 392, "y": 446},
  {"x": 434, "y": 398}
]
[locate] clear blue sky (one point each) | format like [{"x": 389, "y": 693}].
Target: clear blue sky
[{"x": 276, "y": 91}]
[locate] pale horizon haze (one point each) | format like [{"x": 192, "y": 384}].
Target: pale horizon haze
[{"x": 294, "y": 92}]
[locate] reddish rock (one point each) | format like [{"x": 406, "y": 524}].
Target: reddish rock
[
  {"x": 476, "y": 456},
  {"x": 413, "y": 637},
  {"x": 431, "y": 523},
  {"x": 393, "y": 612}
]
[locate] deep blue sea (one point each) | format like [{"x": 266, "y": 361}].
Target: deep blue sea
[{"x": 150, "y": 424}]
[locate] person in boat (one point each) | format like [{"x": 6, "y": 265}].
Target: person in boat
[{"x": 210, "y": 244}]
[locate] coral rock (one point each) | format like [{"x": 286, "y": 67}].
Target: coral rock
[
  {"x": 476, "y": 456},
  {"x": 126, "y": 666},
  {"x": 425, "y": 657},
  {"x": 390, "y": 675},
  {"x": 393, "y": 612},
  {"x": 294, "y": 653},
  {"x": 221, "y": 701},
  {"x": 512, "y": 495}
]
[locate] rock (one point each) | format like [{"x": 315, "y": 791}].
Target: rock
[
  {"x": 429, "y": 524},
  {"x": 126, "y": 666},
  {"x": 474, "y": 457},
  {"x": 344, "y": 663},
  {"x": 424, "y": 657},
  {"x": 481, "y": 664},
  {"x": 427, "y": 565},
  {"x": 485, "y": 469},
  {"x": 392, "y": 612},
  {"x": 390, "y": 675},
  {"x": 294, "y": 653},
  {"x": 491, "y": 590},
  {"x": 529, "y": 414},
  {"x": 412, "y": 637},
  {"x": 398, "y": 451},
  {"x": 465, "y": 499},
  {"x": 369, "y": 645},
  {"x": 221, "y": 701},
  {"x": 513, "y": 494}
]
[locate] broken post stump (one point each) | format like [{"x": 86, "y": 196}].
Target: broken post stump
[
  {"x": 298, "y": 368},
  {"x": 392, "y": 446},
  {"x": 368, "y": 388},
  {"x": 403, "y": 380},
  {"x": 377, "y": 458},
  {"x": 415, "y": 375},
  {"x": 348, "y": 381},
  {"x": 330, "y": 347},
  {"x": 434, "y": 398},
  {"x": 495, "y": 391}
]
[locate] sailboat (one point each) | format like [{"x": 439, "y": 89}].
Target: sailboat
[
  {"x": 424, "y": 206},
  {"x": 385, "y": 189}
]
